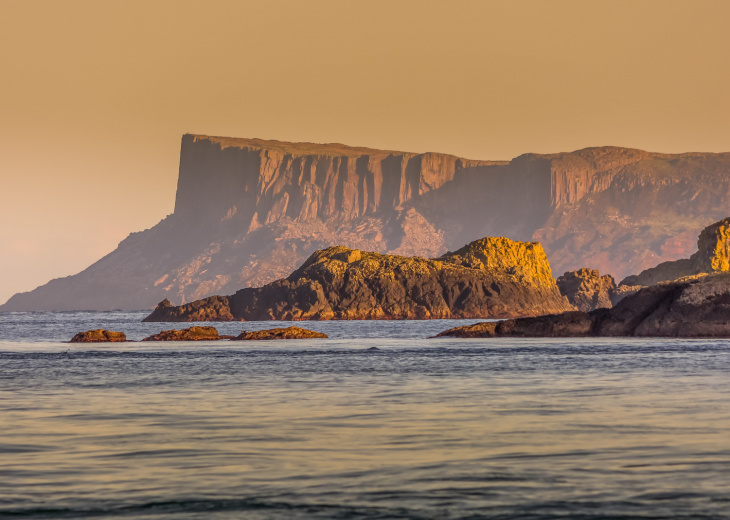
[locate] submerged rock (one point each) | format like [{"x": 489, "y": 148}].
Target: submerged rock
[
  {"x": 189, "y": 334},
  {"x": 99, "y": 336},
  {"x": 488, "y": 278},
  {"x": 280, "y": 333},
  {"x": 693, "y": 307},
  {"x": 587, "y": 289}
]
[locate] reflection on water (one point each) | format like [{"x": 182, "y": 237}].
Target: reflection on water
[{"x": 420, "y": 429}]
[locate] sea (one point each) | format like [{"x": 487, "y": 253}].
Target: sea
[{"x": 380, "y": 421}]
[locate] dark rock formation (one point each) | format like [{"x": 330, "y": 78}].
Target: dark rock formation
[
  {"x": 249, "y": 211},
  {"x": 492, "y": 277},
  {"x": 586, "y": 289},
  {"x": 713, "y": 255},
  {"x": 695, "y": 307},
  {"x": 622, "y": 291},
  {"x": 280, "y": 333},
  {"x": 98, "y": 336},
  {"x": 189, "y": 334},
  {"x": 567, "y": 324}
]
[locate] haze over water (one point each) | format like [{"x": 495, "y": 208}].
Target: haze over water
[{"x": 424, "y": 429}]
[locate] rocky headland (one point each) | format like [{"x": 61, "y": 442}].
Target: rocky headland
[
  {"x": 712, "y": 256},
  {"x": 693, "y": 307},
  {"x": 249, "y": 211},
  {"x": 488, "y": 278}
]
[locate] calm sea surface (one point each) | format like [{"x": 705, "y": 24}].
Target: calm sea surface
[{"x": 421, "y": 428}]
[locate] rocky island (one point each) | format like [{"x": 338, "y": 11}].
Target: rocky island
[{"x": 488, "y": 278}]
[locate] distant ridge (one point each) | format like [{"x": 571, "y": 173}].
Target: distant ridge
[{"x": 248, "y": 211}]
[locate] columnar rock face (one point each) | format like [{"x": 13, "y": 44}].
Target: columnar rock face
[
  {"x": 489, "y": 278},
  {"x": 712, "y": 255},
  {"x": 697, "y": 307},
  {"x": 248, "y": 211},
  {"x": 587, "y": 289}
]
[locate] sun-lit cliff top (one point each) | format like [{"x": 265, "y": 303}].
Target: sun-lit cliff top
[{"x": 336, "y": 149}]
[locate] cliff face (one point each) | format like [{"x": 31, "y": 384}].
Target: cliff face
[
  {"x": 489, "y": 278},
  {"x": 249, "y": 211}
]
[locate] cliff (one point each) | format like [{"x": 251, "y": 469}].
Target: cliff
[
  {"x": 249, "y": 211},
  {"x": 696, "y": 307},
  {"x": 489, "y": 278},
  {"x": 712, "y": 255}
]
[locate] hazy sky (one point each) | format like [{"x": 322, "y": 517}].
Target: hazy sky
[{"x": 95, "y": 95}]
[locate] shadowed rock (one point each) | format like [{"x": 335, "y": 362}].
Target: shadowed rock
[
  {"x": 586, "y": 289},
  {"x": 280, "y": 333},
  {"x": 189, "y": 334},
  {"x": 491, "y": 277},
  {"x": 99, "y": 336},
  {"x": 693, "y": 307}
]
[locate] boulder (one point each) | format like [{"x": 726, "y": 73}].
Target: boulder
[
  {"x": 189, "y": 334},
  {"x": 586, "y": 289},
  {"x": 280, "y": 333},
  {"x": 99, "y": 336}
]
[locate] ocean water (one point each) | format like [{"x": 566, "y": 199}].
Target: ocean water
[{"x": 418, "y": 429}]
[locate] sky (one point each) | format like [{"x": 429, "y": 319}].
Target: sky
[{"x": 95, "y": 95}]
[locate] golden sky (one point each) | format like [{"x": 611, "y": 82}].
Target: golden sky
[{"x": 95, "y": 95}]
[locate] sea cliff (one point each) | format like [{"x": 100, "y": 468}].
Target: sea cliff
[{"x": 249, "y": 211}]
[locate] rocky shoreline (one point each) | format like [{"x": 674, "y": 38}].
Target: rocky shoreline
[{"x": 693, "y": 307}]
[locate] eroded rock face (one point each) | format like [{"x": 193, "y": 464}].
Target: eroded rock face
[
  {"x": 98, "y": 336},
  {"x": 280, "y": 333},
  {"x": 694, "y": 307},
  {"x": 249, "y": 211},
  {"x": 712, "y": 256},
  {"x": 189, "y": 334},
  {"x": 586, "y": 289},
  {"x": 491, "y": 277}
]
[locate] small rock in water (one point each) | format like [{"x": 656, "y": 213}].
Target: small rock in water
[
  {"x": 189, "y": 334},
  {"x": 280, "y": 333},
  {"x": 98, "y": 336},
  {"x": 373, "y": 348}
]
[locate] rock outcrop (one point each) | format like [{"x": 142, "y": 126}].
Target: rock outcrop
[
  {"x": 189, "y": 334},
  {"x": 586, "y": 289},
  {"x": 99, "y": 336},
  {"x": 280, "y": 333},
  {"x": 491, "y": 277},
  {"x": 712, "y": 255},
  {"x": 695, "y": 307},
  {"x": 249, "y": 211}
]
